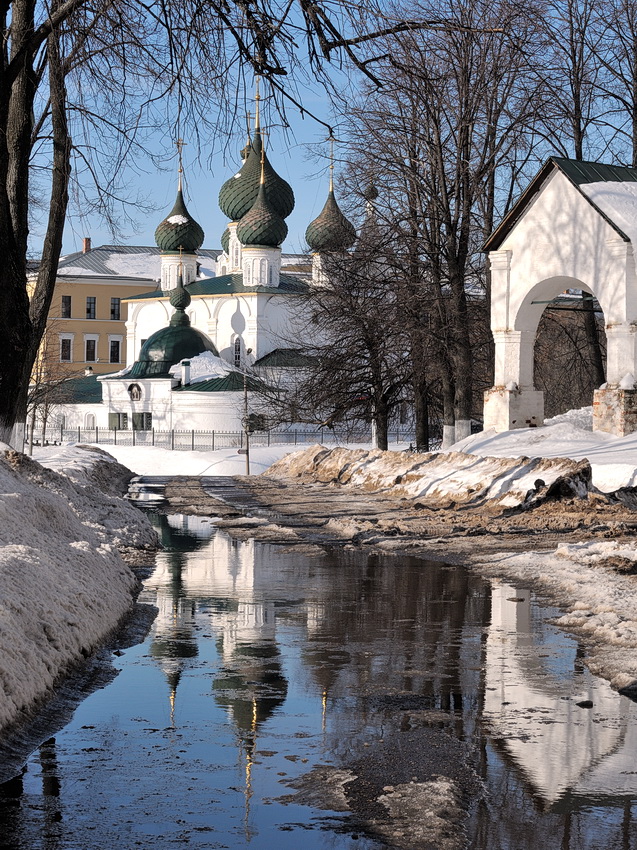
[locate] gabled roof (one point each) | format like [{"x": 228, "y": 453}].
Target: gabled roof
[
  {"x": 142, "y": 261},
  {"x": 231, "y": 284},
  {"x": 284, "y": 357},
  {"x": 587, "y": 177}
]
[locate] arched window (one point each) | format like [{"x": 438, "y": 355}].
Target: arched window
[
  {"x": 236, "y": 256},
  {"x": 223, "y": 270},
  {"x": 89, "y": 421},
  {"x": 263, "y": 272},
  {"x": 237, "y": 351},
  {"x": 248, "y": 274},
  {"x": 270, "y": 275}
]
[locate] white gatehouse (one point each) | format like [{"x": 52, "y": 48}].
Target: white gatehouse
[{"x": 573, "y": 228}]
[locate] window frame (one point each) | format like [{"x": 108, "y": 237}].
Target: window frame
[{"x": 91, "y": 307}]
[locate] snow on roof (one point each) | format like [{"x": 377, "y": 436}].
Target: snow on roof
[
  {"x": 618, "y": 201},
  {"x": 203, "y": 367}
]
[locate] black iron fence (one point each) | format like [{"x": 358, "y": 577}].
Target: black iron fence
[{"x": 205, "y": 440}]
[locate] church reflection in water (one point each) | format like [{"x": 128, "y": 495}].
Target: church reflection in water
[{"x": 419, "y": 629}]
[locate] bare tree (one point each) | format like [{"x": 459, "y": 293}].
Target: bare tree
[{"x": 84, "y": 84}]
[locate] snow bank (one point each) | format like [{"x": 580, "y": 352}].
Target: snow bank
[
  {"x": 439, "y": 479},
  {"x": 64, "y": 585},
  {"x": 613, "y": 460}
]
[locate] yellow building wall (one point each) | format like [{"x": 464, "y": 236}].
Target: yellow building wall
[{"x": 78, "y": 328}]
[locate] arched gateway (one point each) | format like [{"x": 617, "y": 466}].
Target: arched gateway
[{"x": 573, "y": 228}]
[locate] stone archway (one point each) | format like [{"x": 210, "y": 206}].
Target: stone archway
[{"x": 517, "y": 305}]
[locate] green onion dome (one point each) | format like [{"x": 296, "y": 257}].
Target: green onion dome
[
  {"x": 330, "y": 230},
  {"x": 179, "y": 229},
  {"x": 239, "y": 193},
  {"x": 262, "y": 225},
  {"x": 168, "y": 346},
  {"x": 225, "y": 240}
]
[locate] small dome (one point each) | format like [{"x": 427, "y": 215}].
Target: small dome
[
  {"x": 179, "y": 230},
  {"x": 238, "y": 194},
  {"x": 330, "y": 230},
  {"x": 370, "y": 193},
  {"x": 262, "y": 225},
  {"x": 225, "y": 240},
  {"x": 170, "y": 345}
]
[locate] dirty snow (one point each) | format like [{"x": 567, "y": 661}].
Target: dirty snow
[
  {"x": 613, "y": 459},
  {"x": 64, "y": 584},
  {"x": 435, "y": 479}
]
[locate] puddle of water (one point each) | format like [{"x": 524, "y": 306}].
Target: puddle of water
[{"x": 265, "y": 666}]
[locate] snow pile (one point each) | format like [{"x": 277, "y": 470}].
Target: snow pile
[
  {"x": 613, "y": 460},
  {"x": 88, "y": 476},
  {"x": 203, "y": 367},
  {"x": 64, "y": 585},
  {"x": 439, "y": 479},
  {"x": 177, "y": 219}
]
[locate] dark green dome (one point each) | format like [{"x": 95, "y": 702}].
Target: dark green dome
[
  {"x": 179, "y": 229},
  {"x": 168, "y": 346},
  {"x": 330, "y": 230},
  {"x": 262, "y": 225},
  {"x": 225, "y": 240},
  {"x": 239, "y": 193}
]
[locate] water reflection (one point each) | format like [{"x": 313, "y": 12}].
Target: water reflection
[
  {"x": 569, "y": 732},
  {"x": 263, "y": 663}
]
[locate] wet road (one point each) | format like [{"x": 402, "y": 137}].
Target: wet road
[{"x": 288, "y": 698}]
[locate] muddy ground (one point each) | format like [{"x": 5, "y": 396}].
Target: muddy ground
[{"x": 325, "y": 514}]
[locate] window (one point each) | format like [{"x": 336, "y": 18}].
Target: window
[
  {"x": 142, "y": 421},
  {"x": 90, "y": 350},
  {"x": 115, "y": 311},
  {"x": 263, "y": 272},
  {"x": 135, "y": 392},
  {"x": 66, "y": 307},
  {"x": 237, "y": 351},
  {"x": 118, "y": 420},
  {"x": 89, "y": 421},
  {"x": 248, "y": 270},
  {"x": 65, "y": 349},
  {"x": 114, "y": 350},
  {"x": 90, "y": 307}
]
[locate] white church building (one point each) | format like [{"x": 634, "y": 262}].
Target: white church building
[{"x": 197, "y": 346}]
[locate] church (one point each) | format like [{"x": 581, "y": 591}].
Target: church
[{"x": 197, "y": 347}]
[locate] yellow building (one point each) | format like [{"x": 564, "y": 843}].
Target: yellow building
[{"x": 87, "y": 319}]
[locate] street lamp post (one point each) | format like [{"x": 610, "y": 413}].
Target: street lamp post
[{"x": 246, "y": 420}]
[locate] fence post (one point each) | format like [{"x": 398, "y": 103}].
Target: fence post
[
  {"x": 61, "y": 432},
  {"x": 134, "y": 432},
  {"x": 79, "y": 439},
  {"x": 153, "y": 438},
  {"x": 115, "y": 432},
  {"x": 240, "y": 439},
  {"x": 268, "y": 438},
  {"x": 193, "y": 439},
  {"x": 295, "y": 433},
  {"x": 213, "y": 441},
  {"x": 96, "y": 435},
  {"x": 172, "y": 440}
]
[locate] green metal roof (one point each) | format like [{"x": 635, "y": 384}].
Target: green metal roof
[
  {"x": 82, "y": 390},
  {"x": 330, "y": 230},
  {"x": 179, "y": 229},
  {"x": 284, "y": 357},
  {"x": 230, "y": 383},
  {"x": 595, "y": 172},
  {"x": 579, "y": 173},
  {"x": 231, "y": 284}
]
